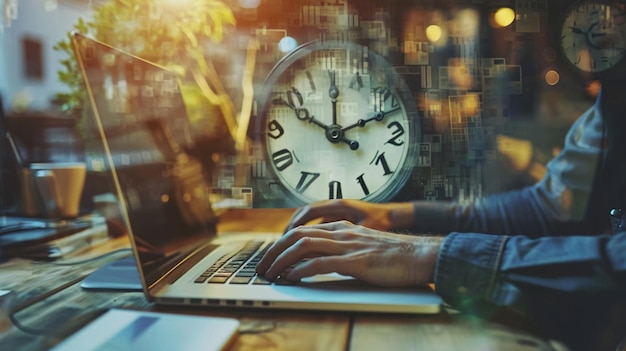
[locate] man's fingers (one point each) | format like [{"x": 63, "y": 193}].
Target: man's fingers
[
  {"x": 284, "y": 242},
  {"x": 305, "y": 247},
  {"x": 330, "y": 230},
  {"x": 321, "y": 265},
  {"x": 308, "y": 213}
]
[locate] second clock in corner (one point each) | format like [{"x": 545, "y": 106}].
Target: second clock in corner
[
  {"x": 338, "y": 122},
  {"x": 593, "y": 37}
]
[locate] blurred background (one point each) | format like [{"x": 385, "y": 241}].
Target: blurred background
[{"x": 492, "y": 92}]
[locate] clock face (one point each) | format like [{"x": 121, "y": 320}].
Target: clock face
[
  {"x": 337, "y": 123},
  {"x": 593, "y": 36}
]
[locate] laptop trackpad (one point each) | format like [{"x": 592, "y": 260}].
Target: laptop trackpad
[{"x": 119, "y": 275}]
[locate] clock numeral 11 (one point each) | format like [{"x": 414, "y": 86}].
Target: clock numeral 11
[{"x": 306, "y": 179}]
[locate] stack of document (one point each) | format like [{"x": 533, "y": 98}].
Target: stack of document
[{"x": 45, "y": 239}]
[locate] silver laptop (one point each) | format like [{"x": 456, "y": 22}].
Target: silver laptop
[{"x": 148, "y": 143}]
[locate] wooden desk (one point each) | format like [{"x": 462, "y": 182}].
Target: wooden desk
[{"x": 69, "y": 308}]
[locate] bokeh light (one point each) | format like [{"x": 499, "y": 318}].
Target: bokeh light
[
  {"x": 433, "y": 33},
  {"x": 504, "y": 16},
  {"x": 287, "y": 44},
  {"x": 552, "y": 77}
]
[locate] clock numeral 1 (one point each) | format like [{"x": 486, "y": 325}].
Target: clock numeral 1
[
  {"x": 282, "y": 159},
  {"x": 361, "y": 182},
  {"x": 382, "y": 161},
  {"x": 306, "y": 179},
  {"x": 334, "y": 190}
]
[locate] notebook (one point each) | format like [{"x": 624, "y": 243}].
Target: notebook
[
  {"x": 127, "y": 330},
  {"x": 148, "y": 143}
]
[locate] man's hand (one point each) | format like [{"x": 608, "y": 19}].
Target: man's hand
[
  {"x": 366, "y": 254},
  {"x": 379, "y": 216}
]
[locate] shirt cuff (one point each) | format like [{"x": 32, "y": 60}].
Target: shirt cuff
[{"x": 467, "y": 267}]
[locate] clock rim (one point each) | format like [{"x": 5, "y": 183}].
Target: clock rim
[
  {"x": 618, "y": 67},
  {"x": 400, "y": 89}
]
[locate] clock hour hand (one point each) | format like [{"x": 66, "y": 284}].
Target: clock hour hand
[
  {"x": 301, "y": 112},
  {"x": 578, "y": 30},
  {"x": 303, "y": 115},
  {"x": 376, "y": 116},
  {"x": 334, "y": 133}
]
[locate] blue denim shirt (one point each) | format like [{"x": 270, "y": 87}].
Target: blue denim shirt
[{"x": 546, "y": 242}]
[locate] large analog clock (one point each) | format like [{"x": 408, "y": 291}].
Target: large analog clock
[
  {"x": 338, "y": 122},
  {"x": 593, "y": 36}
]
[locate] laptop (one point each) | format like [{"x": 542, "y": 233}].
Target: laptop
[{"x": 139, "y": 114}]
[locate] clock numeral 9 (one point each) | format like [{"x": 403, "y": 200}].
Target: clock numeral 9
[{"x": 275, "y": 130}]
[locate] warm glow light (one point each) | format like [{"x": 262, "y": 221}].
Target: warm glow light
[
  {"x": 504, "y": 16},
  {"x": 249, "y": 4},
  {"x": 433, "y": 32},
  {"x": 552, "y": 77},
  {"x": 593, "y": 88},
  {"x": 466, "y": 23},
  {"x": 471, "y": 105},
  {"x": 459, "y": 74}
]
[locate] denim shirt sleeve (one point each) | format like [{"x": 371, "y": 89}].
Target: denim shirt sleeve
[
  {"x": 467, "y": 268},
  {"x": 557, "y": 205},
  {"x": 499, "y": 270}
]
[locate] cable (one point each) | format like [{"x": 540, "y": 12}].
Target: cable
[
  {"x": 90, "y": 259},
  {"x": 35, "y": 300},
  {"x": 39, "y": 332}
]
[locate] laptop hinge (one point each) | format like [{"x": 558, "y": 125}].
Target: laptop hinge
[{"x": 173, "y": 274}]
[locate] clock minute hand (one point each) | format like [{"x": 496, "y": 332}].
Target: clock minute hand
[
  {"x": 376, "y": 116},
  {"x": 333, "y": 93}
]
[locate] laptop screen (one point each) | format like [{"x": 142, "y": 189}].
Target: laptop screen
[{"x": 141, "y": 121}]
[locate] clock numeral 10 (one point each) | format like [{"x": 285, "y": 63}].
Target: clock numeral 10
[{"x": 282, "y": 159}]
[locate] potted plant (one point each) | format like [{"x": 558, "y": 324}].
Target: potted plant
[{"x": 174, "y": 34}]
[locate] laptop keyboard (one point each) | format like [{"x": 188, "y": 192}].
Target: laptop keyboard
[{"x": 238, "y": 267}]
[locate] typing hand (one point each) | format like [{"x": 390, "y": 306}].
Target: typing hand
[
  {"x": 366, "y": 254},
  {"x": 383, "y": 217}
]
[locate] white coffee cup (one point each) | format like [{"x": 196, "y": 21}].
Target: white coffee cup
[{"x": 60, "y": 185}]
